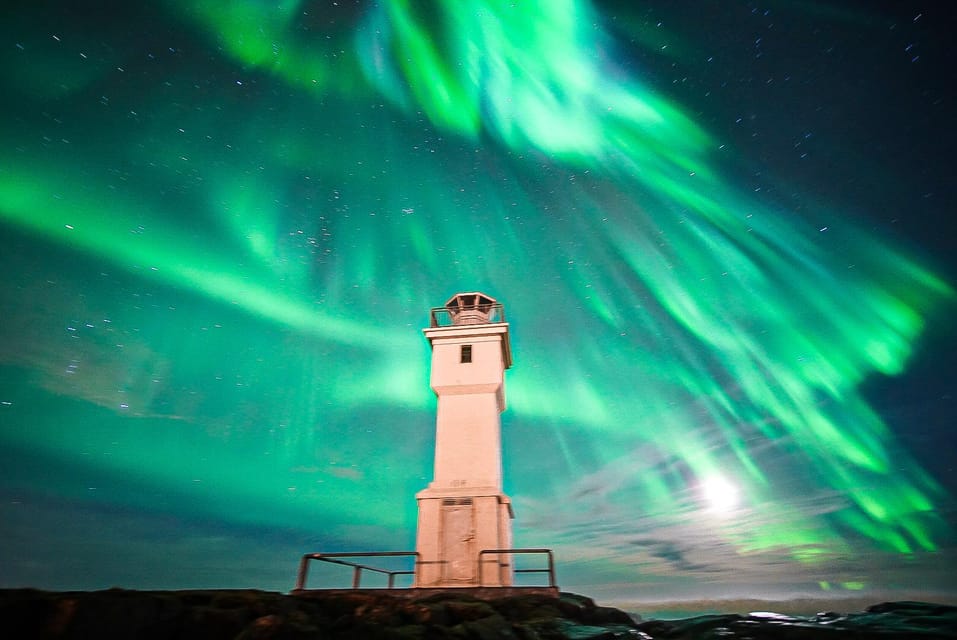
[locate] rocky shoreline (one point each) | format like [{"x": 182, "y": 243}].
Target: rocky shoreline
[{"x": 260, "y": 615}]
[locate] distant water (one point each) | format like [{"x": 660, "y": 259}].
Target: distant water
[{"x": 891, "y": 620}]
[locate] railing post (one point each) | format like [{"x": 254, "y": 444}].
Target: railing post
[
  {"x": 356, "y": 576},
  {"x": 303, "y": 570},
  {"x": 551, "y": 570}
]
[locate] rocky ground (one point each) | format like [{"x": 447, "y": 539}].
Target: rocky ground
[{"x": 253, "y": 615}]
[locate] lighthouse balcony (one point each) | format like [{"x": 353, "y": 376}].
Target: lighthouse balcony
[{"x": 464, "y": 313}]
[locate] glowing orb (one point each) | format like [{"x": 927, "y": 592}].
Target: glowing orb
[{"x": 720, "y": 494}]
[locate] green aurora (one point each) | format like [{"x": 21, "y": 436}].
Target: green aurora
[{"x": 222, "y": 225}]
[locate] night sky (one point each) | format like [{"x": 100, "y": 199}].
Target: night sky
[{"x": 723, "y": 234}]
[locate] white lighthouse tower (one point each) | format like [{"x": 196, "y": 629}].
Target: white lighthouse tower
[{"x": 463, "y": 511}]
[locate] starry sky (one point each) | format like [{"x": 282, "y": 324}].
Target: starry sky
[{"x": 722, "y": 232}]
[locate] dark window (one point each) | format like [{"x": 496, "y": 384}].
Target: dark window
[{"x": 466, "y": 355}]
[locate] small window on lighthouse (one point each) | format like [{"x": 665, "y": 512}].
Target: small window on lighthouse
[{"x": 466, "y": 355}]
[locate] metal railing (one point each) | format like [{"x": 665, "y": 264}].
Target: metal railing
[
  {"x": 550, "y": 569},
  {"x": 357, "y": 568},
  {"x": 492, "y": 313}
]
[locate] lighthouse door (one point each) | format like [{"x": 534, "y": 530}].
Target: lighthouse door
[{"x": 458, "y": 541}]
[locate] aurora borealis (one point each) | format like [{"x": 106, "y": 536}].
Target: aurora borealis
[{"x": 721, "y": 232}]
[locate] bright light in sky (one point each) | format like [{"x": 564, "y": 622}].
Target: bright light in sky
[{"x": 719, "y": 493}]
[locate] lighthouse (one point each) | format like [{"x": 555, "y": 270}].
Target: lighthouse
[
  {"x": 464, "y": 513},
  {"x": 464, "y": 534}
]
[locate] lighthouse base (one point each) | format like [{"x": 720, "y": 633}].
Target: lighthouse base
[{"x": 456, "y": 528}]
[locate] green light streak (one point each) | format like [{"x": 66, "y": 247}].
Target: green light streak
[
  {"x": 323, "y": 186},
  {"x": 266, "y": 37},
  {"x": 103, "y": 227},
  {"x": 796, "y": 352}
]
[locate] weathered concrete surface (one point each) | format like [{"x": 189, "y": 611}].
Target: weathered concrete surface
[{"x": 464, "y": 510}]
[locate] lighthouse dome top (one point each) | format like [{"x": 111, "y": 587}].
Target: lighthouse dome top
[
  {"x": 472, "y": 307},
  {"x": 468, "y": 308}
]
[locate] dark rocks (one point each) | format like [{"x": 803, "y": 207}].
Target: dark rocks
[
  {"x": 258, "y": 615},
  {"x": 451, "y": 615}
]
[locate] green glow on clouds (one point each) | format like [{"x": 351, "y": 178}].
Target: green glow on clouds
[{"x": 310, "y": 198}]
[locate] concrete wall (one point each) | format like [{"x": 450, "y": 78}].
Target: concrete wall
[{"x": 464, "y": 511}]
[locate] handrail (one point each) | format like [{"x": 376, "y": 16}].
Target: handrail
[
  {"x": 550, "y": 570},
  {"x": 493, "y": 313},
  {"x": 357, "y": 569}
]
